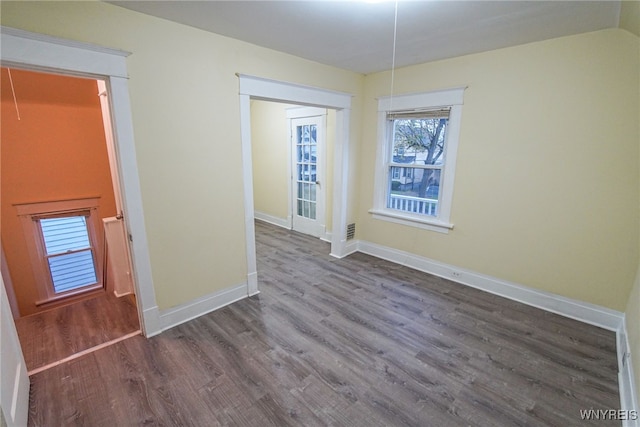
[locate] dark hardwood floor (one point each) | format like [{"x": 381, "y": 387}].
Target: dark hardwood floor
[
  {"x": 56, "y": 334},
  {"x": 351, "y": 342}
]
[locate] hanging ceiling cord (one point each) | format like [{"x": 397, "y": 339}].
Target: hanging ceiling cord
[
  {"x": 15, "y": 101},
  {"x": 393, "y": 54},
  {"x": 393, "y": 70}
]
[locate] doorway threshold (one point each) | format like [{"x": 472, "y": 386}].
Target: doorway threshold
[{"x": 84, "y": 352}]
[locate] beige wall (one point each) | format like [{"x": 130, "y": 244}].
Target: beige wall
[
  {"x": 270, "y": 153},
  {"x": 546, "y": 189},
  {"x": 185, "y": 108}
]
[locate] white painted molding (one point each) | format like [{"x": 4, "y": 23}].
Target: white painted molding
[
  {"x": 201, "y": 306},
  {"x": 31, "y": 51},
  {"x": 574, "y": 309},
  {"x": 53, "y": 53},
  {"x": 251, "y": 87},
  {"x": 435, "y": 98},
  {"x": 247, "y": 193},
  {"x": 280, "y": 222},
  {"x": 252, "y": 284},
  {"x": 340, "y": 183},
  {"x": 349, "y": 247},
  {"x": 268, "y": 89},
  {"x": 16, "y": 32},
  {"x": 14, "y": 378},
  {"x": 578, "y": 310},
  {"x": 626, "y": 379},
  {"x": 152, "y": 324}
]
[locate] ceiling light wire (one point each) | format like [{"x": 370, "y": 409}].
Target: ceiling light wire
[
  {"x": 393, "y": 54},
  {"x": 15, "y": 101}
]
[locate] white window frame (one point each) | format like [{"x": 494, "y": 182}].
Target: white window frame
[
  {"x": 29, "y": 213},
  {"x": 447, "y": 98}
]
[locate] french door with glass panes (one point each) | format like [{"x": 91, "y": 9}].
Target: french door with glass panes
[{"x": 308, "y": 140}]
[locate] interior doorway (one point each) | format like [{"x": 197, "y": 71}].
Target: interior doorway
[
  {"x": 58, "y": 152},
  {"x": 255, "y": 88},
  {"x": 292, "y": 173}
]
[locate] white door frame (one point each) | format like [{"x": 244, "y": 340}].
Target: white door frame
[
  {"x": 272, "y": 90},
  {"x": 319, "y": 116},
  {"x": 38, "y": 52},
  {"x": 14, "y": 379}
]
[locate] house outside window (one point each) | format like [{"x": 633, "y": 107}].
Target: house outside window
[{"x": 416, "y": 158}]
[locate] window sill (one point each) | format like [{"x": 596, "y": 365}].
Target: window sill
[
  {"x": 72, "y": 295},
  {"x": 411, "y": 221}
]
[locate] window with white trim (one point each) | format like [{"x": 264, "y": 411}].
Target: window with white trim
[
  {"x": 416, "y": 158},
  {"x": 63, "y": 248}
]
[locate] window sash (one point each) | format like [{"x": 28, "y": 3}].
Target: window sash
[
  {"x": 72, "y": 271},
  {"x": 63, "y": 236}
]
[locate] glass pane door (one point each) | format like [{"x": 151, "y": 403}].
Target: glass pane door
[
  {"x": 306, "y": 170},
  {"x": 307, "y": 192}
]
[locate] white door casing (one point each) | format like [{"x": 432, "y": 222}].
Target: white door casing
[
  {"x": 38, "y": 52},
  {"x": 273, "y": 90},
  {"x": 14, "y": 380}
]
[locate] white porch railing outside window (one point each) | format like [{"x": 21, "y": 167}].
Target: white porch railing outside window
[{"x": 411, "y": 204}]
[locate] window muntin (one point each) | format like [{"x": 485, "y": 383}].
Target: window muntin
[{"x": 409, "y": 164}]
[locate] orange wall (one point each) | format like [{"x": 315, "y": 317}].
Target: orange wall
[{"x": 56, "y": 151}]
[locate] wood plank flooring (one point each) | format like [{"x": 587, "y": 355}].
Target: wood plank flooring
[
  {"x": 53, "y": 335},
  {"x": 351, "y": 342}
]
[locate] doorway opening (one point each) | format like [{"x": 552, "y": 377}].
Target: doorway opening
[
  {"x": 292, "y": 149},
  {"x": 256, "y": 88},
  {"x": 66, "y": 266}
]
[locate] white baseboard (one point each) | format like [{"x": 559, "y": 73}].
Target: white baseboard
[
  {"x": 286, "y": 223},
  {"x": 582, "y": 311},
  {"x": 151, "y": 322},
  {"x": 280, "y": 222},
  {"x": 626, "y": 379},
  {"x": 203, "y": 305},
  {"x": 351, "y": 247},
  {"x": 157, "y": 321},
  {"x": 252, "y": 284},
  {"x": 574, "y": 309}
]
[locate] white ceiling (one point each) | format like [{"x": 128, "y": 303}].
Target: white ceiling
[{"x": 358, "y": 35}]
